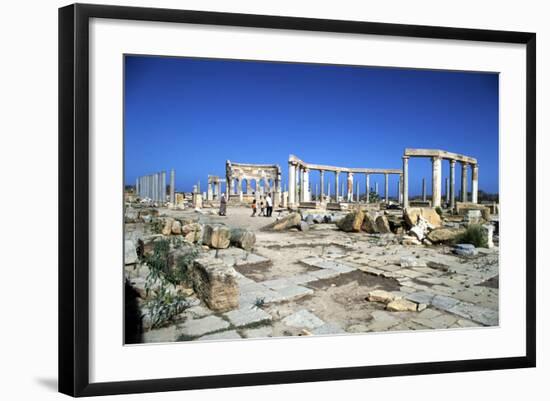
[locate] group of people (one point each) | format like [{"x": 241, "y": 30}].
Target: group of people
[{"x": 266, "y": 206}]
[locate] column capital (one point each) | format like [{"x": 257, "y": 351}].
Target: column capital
[
  {"x": 435, "y": 158},
  {"x": 453, "y": 162},
  {"x": 406, "y": 157}
]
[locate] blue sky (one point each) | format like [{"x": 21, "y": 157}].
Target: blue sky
[{"x": 194, "y": 114}]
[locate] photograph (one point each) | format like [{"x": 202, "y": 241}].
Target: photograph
[{"x": 272, "y": 199}]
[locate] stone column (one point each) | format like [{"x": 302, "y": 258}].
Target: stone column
[
  {"x": 316, "y": 192},
  {"x": 155, "y": 184},
  {"x": 248, "y": 186},
  {"x": 239, "y": 188},
  {"x": 163, "y": 181},
  {"x": 322, "y": 183},
  {"x": 452, "y": 164},
  {"x": 464, "y": 187},
  {"x": 219, "y": 190},
  {"x": 136, "y": 188},
  {"x": 386, "y": 188},
  {"x": 475, "y": 173},
  {"x": 447, "y": 191},
  {"x": 376, "y": 187},
  {"x": 328, "y": 192},
  {"x": 336, "y": 185},
  {"x": 307, "y": 195},
  {"x": 423, "y": 190},
  {"x": 209, "y": 195},
  {"x": 291, "y": 184},
  {"x": 357, "y": 191},
  {"x": 400, "y": 192},
  {"x": 349, "y": 187},
  {"x": 405, "y": 181},
  {"x": 173, "y": 187},
  {"x": 367, "y": 188},
  {"x": 436, "y": 181}
]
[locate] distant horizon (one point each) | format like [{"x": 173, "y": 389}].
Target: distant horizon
[{"x": 194, "y": 114}]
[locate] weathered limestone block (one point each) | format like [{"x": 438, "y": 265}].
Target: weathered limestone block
[
  {"x": 401, "y": 305},
  {"x": 176, "y": 227},
  {"x": 445, "y": 235},
  {"x": 352, "y": 222},
  {"x": 473, "y": 217},
  {"x": 242, "y": 238},
  {"x": 218, "y": 237},
  {"x": 167, "y": 229},
  {"x": 383, "y": 225},
  {"x": 380, "y": 296},
  {"x": 130, "y": 254},
  {"x": 411, "y": 261},
  {"x": 411, "y": 214},
  {"x": 304, "y": 226},
  {"x": 215, "y": 283},
  {"x": 369, "y": 224},
  {"x": 463, "y": 207},
  {"x": 290, "y": 221}
]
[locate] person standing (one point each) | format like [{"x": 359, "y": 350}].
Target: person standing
[
  {"x": 262, "y": 207},
  {"x": 253, "y": 208},
  {"x": 223, "y": 206},
  {"x": 269, "y": 205}
]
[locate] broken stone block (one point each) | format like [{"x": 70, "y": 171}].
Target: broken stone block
[
  {"x": 418, "y": 232},
  {"x": 285, "y": 223},
  {"x": 408, "y": 240},
  {"x": 380, "y": 296},
  {"x": 401, "y": 305},
  {"x": 383, "y": 225},
  {"x": 304, "y": 226},
  {"x": 473, "y": 217},
  {"x": 465, "y": 250},
  {"x": 352, "y": 222},
  {"x": 369, "y": 224},
  {"x": 215, "y": 283},
  {"x": 411, "y": 214},
  {"x": 445, "y": 235},
  {"x": 167, "y": 229},
  {"x": 216, "y": 236},
  {"x": 176, "y": 227},
  {"x": 242, "y": 238}
]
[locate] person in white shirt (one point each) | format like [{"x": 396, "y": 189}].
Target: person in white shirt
[{"x": 269, "y": 203}]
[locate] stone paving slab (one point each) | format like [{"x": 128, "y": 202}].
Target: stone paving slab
[
  {"x": 324, "y": 274},
  {"x": 162, "y": 335},
  {"x": 291, "y": 292},
  {"x": 277, "y": 283},
  {"x": 420, "y": 297},
  {"x": 247, "y": 315},
  {"x": 327, "y": 329},
  {"x": 202, "y": 326},
  {"x": 303, "y": 318},
  {"x": 302, "y": 278},
  {"x": 260, "y": 332},
  {"x": 252, "y": 260},
  {"x": 224, "y": 335},
  {"x": 479, "y": 314},
  {"x": 443, "y": 302}
]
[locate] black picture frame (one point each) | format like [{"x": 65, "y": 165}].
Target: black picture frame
[{"x": 74, "y": 200}]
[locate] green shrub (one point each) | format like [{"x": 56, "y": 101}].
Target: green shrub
[
  {"x": 473, "y": 235},
  {"x": 439, "y": 211}
]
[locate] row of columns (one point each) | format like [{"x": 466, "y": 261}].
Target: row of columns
[
  {"x": 299, "y": 186},
  {"x": 449, "y": 182},
  {"x": 266, "y": 188},
  {"x": 153, "y": 186}
]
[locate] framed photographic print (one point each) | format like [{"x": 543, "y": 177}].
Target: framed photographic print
[{"x": 249, "y": 199}]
